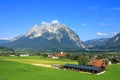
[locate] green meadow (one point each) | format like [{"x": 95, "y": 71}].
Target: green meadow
[{"x": 20, "y": 68}]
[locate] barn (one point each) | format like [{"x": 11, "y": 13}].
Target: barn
[{"x": 91, "y": 69}]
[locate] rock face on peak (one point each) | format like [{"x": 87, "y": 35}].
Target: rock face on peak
[{"x": 48, "y": 37}]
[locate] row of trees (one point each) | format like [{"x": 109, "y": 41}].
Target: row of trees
[
  {"x": 83, "y": 59},
  {"x": 6, "y": 51}
]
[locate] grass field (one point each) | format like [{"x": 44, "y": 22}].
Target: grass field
[
  {"x": 15, "y": 68},
  {"x": 38, "y": 60}
]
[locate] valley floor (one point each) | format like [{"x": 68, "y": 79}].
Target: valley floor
[{"x": 21, "y": 68}]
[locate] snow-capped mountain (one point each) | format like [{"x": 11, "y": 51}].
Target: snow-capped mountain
[
  {"x": 48, "y": 36},
  {"x": 55, "y": 30}
]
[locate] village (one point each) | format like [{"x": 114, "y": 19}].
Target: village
[
  {"x": 89, "y": 63},
  {"x": 95, "y": 64}
]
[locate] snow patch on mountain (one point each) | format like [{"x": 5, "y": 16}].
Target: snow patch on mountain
[
  {"x": 117, "y": 39},
  {"x": 37, "y": 31}
]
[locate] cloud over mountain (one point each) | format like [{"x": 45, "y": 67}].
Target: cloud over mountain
[{"x": 101, "y": 34}]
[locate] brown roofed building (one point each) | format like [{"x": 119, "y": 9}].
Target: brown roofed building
[
  {"x": 96, "y": 63},
  {"x": 60, "y": 55},
  {"x": 56, "y": 55}
]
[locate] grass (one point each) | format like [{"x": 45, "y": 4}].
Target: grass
[
  {"x": 38, "y": 60},
  {"x": 16, "y": 69}
]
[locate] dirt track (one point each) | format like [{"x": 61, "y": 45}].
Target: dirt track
[{"x": 43, "y": 65}]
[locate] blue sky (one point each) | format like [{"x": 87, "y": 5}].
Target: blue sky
[{"x": 90, "y": 19}]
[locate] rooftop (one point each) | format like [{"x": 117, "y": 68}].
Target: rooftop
[{"x": 82, "y": 67}]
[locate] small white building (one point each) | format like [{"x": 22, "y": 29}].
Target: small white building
[
  {"x": 12, "y": 55},
  {"x": 109, "y": 62},
  {"x": 54, "y": 57},
  {"x": 24, "y": 55}
]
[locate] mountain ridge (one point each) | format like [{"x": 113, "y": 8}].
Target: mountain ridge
[
  {"x": 107, "y": 44},
  {"x": 48, "y": 36},
  {"x": 59, "y": 37}
]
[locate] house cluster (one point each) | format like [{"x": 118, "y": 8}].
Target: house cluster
[
  {"x": 94, "y": 66},
  {"x": 56, "y": 56}
]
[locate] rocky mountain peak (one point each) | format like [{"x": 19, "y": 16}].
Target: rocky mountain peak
[
  {"x": 56, "y": 29},
  {"x": 49, "y": 36}
]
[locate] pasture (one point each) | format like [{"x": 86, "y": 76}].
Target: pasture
[{"x": 20, "y": 68}]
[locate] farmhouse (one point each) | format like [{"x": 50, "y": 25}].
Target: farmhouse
[
  {"x": 97, "y": 63},
  {"x": 58, "y": 55},
  {"x": 91, "y": 69}
]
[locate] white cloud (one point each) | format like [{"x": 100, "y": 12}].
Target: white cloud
[
  {"x": 83, "y": 24},
  {"x": 109, "y": 35},
  {"x": 43, "y": 22},
  {"x": 114, "y": 33},
  {"x": 105, "y": 24},
  {"x": 52, "y": 22},
  {"x": 5, "y": 38},
  {"x": 55, "y": 22},
  {"x": 101, "y": 34}
]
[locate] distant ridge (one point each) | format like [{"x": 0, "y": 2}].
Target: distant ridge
[{"x": 104, "y": 44}]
